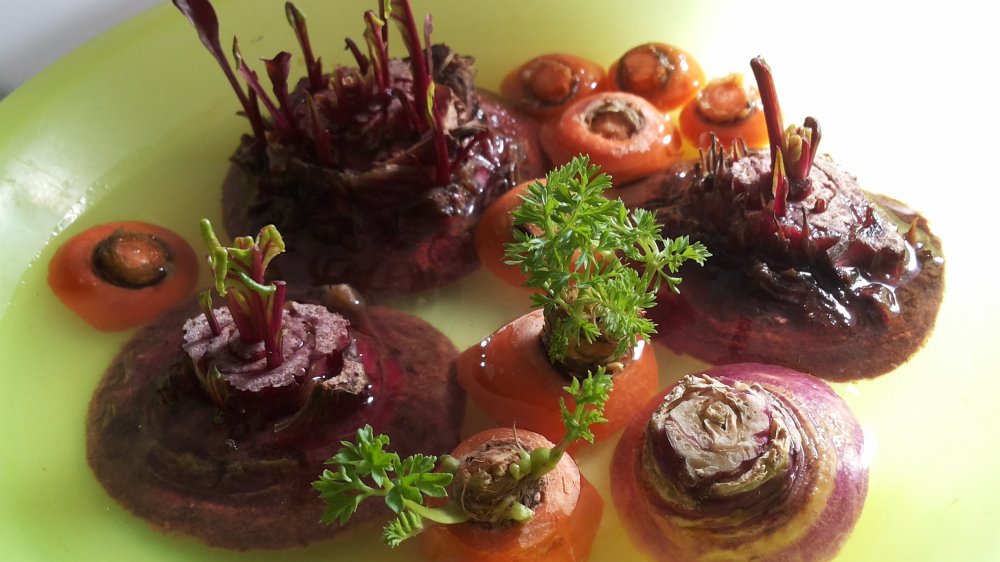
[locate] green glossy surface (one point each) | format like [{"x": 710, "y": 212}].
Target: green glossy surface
[{"x": 138, "y": 125}]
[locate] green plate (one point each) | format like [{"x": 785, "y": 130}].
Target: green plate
[{"x": 138, "y": 124}]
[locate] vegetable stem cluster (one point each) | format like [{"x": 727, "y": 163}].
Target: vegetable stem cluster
[
  {"x": 364, "y": 469},
  {"x": 238, "y": 271},
  {"x": 598, "y": 265}
]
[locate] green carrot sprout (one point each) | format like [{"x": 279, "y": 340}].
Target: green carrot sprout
[
  {"x": 598, "y": 265},
  {"x": 363, "y": 469}
]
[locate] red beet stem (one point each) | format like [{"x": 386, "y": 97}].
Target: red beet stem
[
  {"x": 202, "y": 16},
  {"x": 769, "y": 99},
  {"x": 278, "y": 70},
  {"x": 812, "y": 124},
  {"x": 779, "y": 187},
  {"x": 320, "y": 135},
  {"x": 205, "y": 302},
  {"x": 313, "y": 66},
  {"x": 360, "y": 59},
  {"x": 435, "y": 115},
  {"x": 403, "y": 16},
  {"x": 378, "y": 50},
  {"x": 250, "y": 77},
  {"x": 272, "y": 342}
]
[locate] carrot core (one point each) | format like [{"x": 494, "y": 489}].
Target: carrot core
[
  {"x": 552, "y": 81},
  {"x": 644, "y": 69},
  {"x": 615, "y": 121},
  {"x": 132, "y": 259},
  {"x": 724, "y": 100}
]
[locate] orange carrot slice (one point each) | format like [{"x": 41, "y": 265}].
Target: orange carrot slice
[
  {"x": 509, "y": 376},
  {"x": 545, "y": 85},
  {"x": 624, "y": 134},
  {"x": 663, "y": 74},
  {"x": 120, "y": 275}
]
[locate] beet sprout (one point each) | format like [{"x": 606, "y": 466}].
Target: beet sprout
[
  {"x": 436, "y": 118},
  {"x": 378, "y": 50},
  {"x": 403, "y": 16},
  {"x": 434, "y": 113},
  {"x": 314, "y": 66},
  {"x": 250, "y": 77},
  {"x": 359, "y": 58},
  {"x": 346, "y": 92},
  {"x": 779, "y": 187},
  {"x": 769, "y": 99},
  {"x": 797, "y": 145},
  {"x": 202, "y": 16},
  {"x": 320, "y": 134},
  {"x": 239, "y": 272},
  {"x": 205, "y": 303},
  {"x": 277, "y": 70},
  {"x": 813, "y": 125},
  {"x": 254, "y": 116}
]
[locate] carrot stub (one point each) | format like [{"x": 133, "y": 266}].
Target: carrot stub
[
  {"x": 661, "y": 73},
  {"x": 120, "y": 275},
  {"x": 509, "y": 377},
  {"x": 727, "y": 108},
  {"x": 545, "y": 85},
  {"x": 562, "y": 528},
  {"x": 622, "y": 133},
  {"x": 495, "y": 230}
]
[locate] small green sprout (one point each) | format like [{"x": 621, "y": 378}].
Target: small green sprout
[
  {"x": 598, "y": 265},
  {"x": 363, "y": 469}
]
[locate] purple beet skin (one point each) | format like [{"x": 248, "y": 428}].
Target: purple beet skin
[
  {"x": 375, "y": 173},
  {"x": 808, "y": 270},
  {"x": 744, "y": 461},
  {"x": 229, "y": 458}
]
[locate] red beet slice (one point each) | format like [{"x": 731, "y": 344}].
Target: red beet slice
[
  {"x": 375, "y": 173},
  {"x": 381, "y": 231},
  {"x": 833, "y": 281},
  {"x": 164, "y": 450}
]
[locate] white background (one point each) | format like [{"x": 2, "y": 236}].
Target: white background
[{"x": 35, "y": 33}]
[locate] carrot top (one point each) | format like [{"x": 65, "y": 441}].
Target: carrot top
[
  {"x": 364, "y": 469},
  {"x": 598, "y": 265}
]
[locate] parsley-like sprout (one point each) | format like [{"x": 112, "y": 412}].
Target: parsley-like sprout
[
  {"x": 598, "y": 265},
  {"x": 363, "y": 469}
]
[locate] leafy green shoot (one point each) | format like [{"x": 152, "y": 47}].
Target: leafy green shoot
[
  {"x": 589, "y": 397},
  {"x": 598, "y": 265},
  {"x": 364, "y": 469},
  {"x": 239, "y": 272}
]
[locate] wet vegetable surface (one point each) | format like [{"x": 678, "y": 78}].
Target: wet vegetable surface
[
  {"x": 812, "y": 272},
  {"x": 71, "y": 517},
  {"x": 376, "y": 173},
  {"x": 170, "y": 455},
  {"x": 742, "y": 461}
]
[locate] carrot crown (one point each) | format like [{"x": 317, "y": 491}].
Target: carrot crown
[
  {"x": 598, "y": 265},
  {"x": 363, "y": 469}
]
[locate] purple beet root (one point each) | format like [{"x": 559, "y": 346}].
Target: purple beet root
[
  {"x": 233, "y": 468},
  {"x": 744, "y": 461},
  {"x": 808, "y": 270},
  {"x": 375, "y": 174}
]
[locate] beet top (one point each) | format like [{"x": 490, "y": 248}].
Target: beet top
[
  {"x": 810, "y": 270},
  {"x": 374, "y": 172}
]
